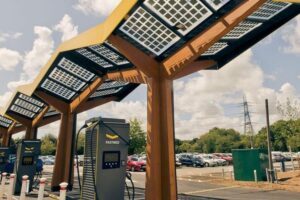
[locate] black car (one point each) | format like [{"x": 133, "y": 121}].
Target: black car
[
  {"x": 198, "y": 162},
  {"x": 186, "y": 160}
]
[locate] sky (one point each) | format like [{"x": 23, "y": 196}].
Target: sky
[{"x": 31, "y": 30}]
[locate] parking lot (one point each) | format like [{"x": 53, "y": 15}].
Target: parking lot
[{"x": 201, "y": 183}]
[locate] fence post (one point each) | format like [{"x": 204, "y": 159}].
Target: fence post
[
  {"x": 255, "y": 175},
  {"x": 42, "y": 188},
  {"x": 223, "y": 173},
  {"x": 63, "y": 191},
  {"x": 11, "y": 186},
  {"x": 2, "y": 184},
  {"x": 23, "y": 188}
]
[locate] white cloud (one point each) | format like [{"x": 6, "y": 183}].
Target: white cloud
[
  {"x": 96, "y": 7},
  {"x": 291, "y": 35},
  {"x": 6, "y": 36},
  {"x": 5, "y": 97},
  {"x": 40, "y": 53},
  {"x": 67, "y": 28},
  {"x": 9, "y": 59}
]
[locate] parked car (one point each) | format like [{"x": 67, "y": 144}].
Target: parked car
[
  {"x": 48, "y": 161},
  {"x": 186, "y": 159},
  {"x": 209, "y": 161},
  {"x": 224, "y": 156},
  {"x": 136, "y": 164},
  {"x": 177, "y": 162},
  {"x": 277, "y": 156},
  {"x": 220, "y": 161},
  {"x": 197, "y": 161}
]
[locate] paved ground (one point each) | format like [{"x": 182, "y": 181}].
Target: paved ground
[{"x": 195, "y": 183}]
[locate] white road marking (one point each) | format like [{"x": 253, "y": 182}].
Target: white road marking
[{"x": 210, "y": 190}]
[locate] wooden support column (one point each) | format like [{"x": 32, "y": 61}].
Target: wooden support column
[
  {"x": 63, "y": 169},
  {"x": 31, "y": 133},
  {"x": 5, "y": 138},
  {"x": 161, "y": 174}
]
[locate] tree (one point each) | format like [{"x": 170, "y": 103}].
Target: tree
[
  {"x": 219, "y": 140},
  {"x": 137, "y": 138},
  {"x": 80, "y": 144},
  {"x": 289, "y": 110},
  {"x": 48, "y": 146}
]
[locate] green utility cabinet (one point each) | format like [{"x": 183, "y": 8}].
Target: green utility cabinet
[{"x": 245, "y": 161}]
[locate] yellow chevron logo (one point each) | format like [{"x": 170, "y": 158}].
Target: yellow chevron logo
[
  {"x": 111, "y": 136},
  {"x": 29, "y": 148},
  {"x": 2, "y": 154}
]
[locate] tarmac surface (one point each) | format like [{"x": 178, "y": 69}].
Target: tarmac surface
[{"x": 190, "y": 188}]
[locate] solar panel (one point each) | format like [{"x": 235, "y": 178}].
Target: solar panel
[
  {"x": 217, "y": 4},
  {"x": 109, "y": 54},
  {"x": 31, "y": 100},
  {"x": 4, "y": 124},
  {"x": 51, "y": 113},
  {"x": 66, "y": 79},
  {"x": 76, "y": 69},
  {"x": 27, "y": 105},
  {"x": 269, "y": 10},
  {"x": 57, "y": 89},
  {"x": 242, "y": 29},
  {"x": 142, "y": 27},
  {"x": 105, "y": 92},
  {"x": 6, "y": 120},
  {"x": 112, "y": 84},
  {"x": 22, "y": 111},
  {"x": 215, "y": 48},
  {"x": 93, "y": 57},
  {"x": 187, "y": 14}
]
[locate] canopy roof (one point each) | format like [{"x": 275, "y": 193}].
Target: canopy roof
[{"x": 164, "y": 31}]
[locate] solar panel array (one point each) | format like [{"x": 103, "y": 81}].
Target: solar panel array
[
  {"x": 26, "y": 106},
  {"x": 158, "y": 25},
  {"x": 266, "y": 12},
  {"x": 67, "y": 79},
  {"x": 5, "y": 122},
  {"x": 51, "y": 112},
  {"x": 109, "y": 88}
]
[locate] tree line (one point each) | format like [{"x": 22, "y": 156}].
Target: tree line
[{"x": 284, "y": 134}]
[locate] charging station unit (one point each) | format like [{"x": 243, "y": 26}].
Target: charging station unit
[
  {"x": 28, "y": 152},
  {"x": 105, "y": 160},
  {"x": 4, "y": 156}
]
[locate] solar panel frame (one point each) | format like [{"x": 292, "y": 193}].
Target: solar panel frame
[
  {"x": 5, "y": 120},
  {"x": 241, "y": 30},
  {"x": 26, "y": 105},
  {"x": 110, "y": 54},
  {"x": 75, "y": 69},
  {"x": 269, "y": 10},
  {"x": 141, "y": 32},
  {"x": 112, "y": 84},
  {"x": 57, "y": 89},
  {"x": 215, "y": 48},
  {"x": 66, "y": 79},
  {"x": 103, "y": 93},
  {"x": 214, "y": 3},
  {"x": 22, "y": 111},
  {"x": 95, "y": 58},
  {"x": 188, "y": 14},
  {"x": 3, "y": 124},
  {"x": 31, "y": 100}
]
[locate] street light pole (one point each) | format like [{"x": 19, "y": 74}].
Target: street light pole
[{"x": 271, "y": 169}]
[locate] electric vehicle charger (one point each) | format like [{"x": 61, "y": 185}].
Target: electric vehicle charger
[
  {"x": 25, "y": 163},
  {"x": 110, "y": 134}
]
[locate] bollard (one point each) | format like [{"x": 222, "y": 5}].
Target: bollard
[
  {"x": 223, "y": 173},
  {"x": 63, "y": 191},
  {"x": 255, "y": 175},
  {"x": 11, "y": 186},
  {"x": 2, "y": 189},
  {"x": 23, "y": 188},
  {"x": 42, "y": 188},
  {"x": 267, "y": 174}
]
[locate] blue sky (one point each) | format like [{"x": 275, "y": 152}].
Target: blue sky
[{"x": 31, "y": 30}]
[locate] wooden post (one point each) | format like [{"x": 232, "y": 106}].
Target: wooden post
[
  {"x": 160, "y": 173},
  {"x": 63, "y": 169},
  {"x": 31, "y": 133},
  {"x": 5, "y": 139}
]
